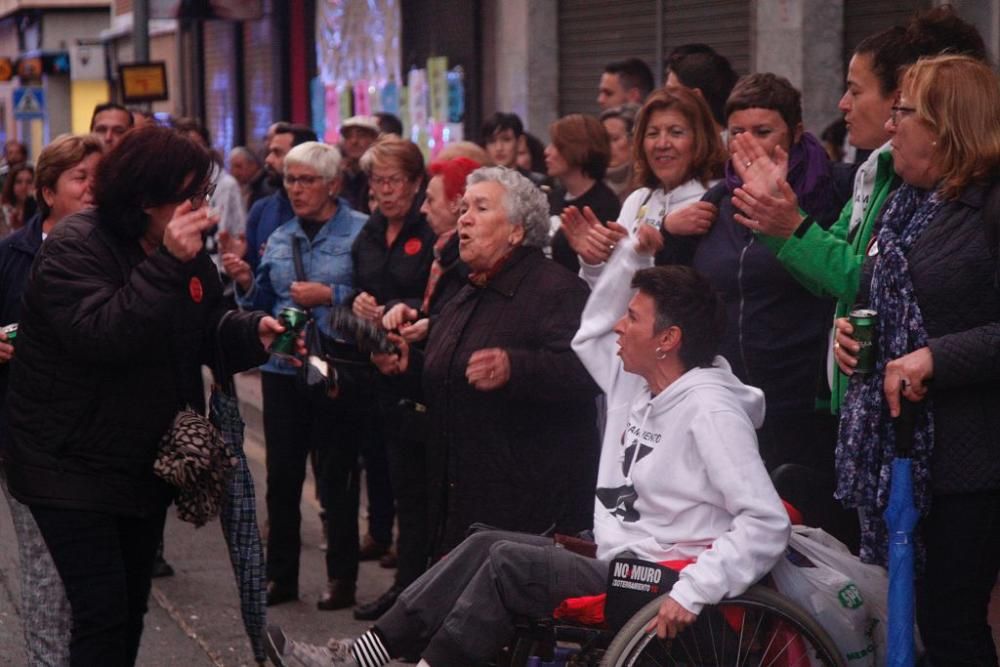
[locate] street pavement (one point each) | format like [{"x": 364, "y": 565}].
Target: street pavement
[{"x": 194, "y": 617}]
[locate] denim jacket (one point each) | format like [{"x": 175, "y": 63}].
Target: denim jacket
[{"x": 327, "y": 260}]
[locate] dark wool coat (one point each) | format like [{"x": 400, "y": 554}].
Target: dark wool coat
[
  {"x": 110, "y": 346},
  {"x": 954, "y": 268},
  {"x": 523, "y": 457}
]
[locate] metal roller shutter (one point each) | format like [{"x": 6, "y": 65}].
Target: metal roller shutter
[
  {"x": 259, "y": 85},
  {"x": 593, "y": 33},
  {"x": 220, "y": 83},
  {"x": 722, "y": 24},
  {"x": 867, "y": 17}
]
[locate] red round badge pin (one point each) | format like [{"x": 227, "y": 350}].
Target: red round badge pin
[
  {"x": 412, "y": 247},
  {"x": 196, "y": 290}
]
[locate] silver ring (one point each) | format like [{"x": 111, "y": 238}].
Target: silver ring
[
  {"x": 905, "y": 383},
  {"x": 747, "y": 164},
  {"x": 611, "y": 247}
]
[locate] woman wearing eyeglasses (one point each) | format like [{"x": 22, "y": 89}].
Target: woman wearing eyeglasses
[
  {"x": 122, "y": 307},
  {"x": 392, "y": 261},
  {"x": 323, "y": 229},
  {"x": 933, "y": 276}
]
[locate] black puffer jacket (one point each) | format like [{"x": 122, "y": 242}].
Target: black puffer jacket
[
  {"x": 954, "y": 267},
  {"x": 397, "y": 272},
  {"x": 109, "y": 348}
]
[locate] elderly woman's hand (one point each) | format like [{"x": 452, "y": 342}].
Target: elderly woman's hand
[
  {"x": 310, "y": 294},
  {"x": 908, "y": 376},
  {"x": 691, "y": 220},
  {"x": 6, "y": 349},
  {"x": 845, "y": 348},
  {"x": 671, "y": 619},
  {"x": 488, "y": 369},
  {"x": 415, "y": 332},
  {"x": 237, "y": 269},
  {"x": 183, "y": 235},
  {"x": 366, "y": 307},
  {"x": 397, "y": 316},
  {"x": 393, "y": 364}
]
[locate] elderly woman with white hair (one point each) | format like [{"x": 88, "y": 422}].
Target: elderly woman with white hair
[
  {"x": 514, "y": 442},
  {"x": 323, "y": 229}
]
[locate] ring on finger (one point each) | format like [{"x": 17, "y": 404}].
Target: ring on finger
[
  {"x": 747, "y": 164},
  {"x": 836, "y": 345}
]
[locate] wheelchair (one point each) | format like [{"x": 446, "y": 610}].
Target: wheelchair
[{"x": 760, "y": 628}]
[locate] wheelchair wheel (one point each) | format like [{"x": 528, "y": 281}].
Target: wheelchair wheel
[{"x": 758, "y": 628}]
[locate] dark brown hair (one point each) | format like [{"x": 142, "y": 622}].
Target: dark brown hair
[
  {"x": 583, "y": 143},
  {"x": 150, "y": 167},
  {"x": 709, "y": 153},
  {"x": 767, "y": 91}
]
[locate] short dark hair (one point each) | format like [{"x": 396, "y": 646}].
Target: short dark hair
[
  {"x": 686, "y": 299},
  {"x": 633, "y": 73},
  {"x": 929, "y": 33},
  {"x": 699, "y": 66},
  {"x": 499, "y": 122},
  {"x": 388, "y": 123},
  {"x": 765, "y": 90},
  {"x": 300, "y": 133},
  {"x": 150, "y": 167},
  {"x": 110, "y": 106},
  {"x": 583, "y": 142}
]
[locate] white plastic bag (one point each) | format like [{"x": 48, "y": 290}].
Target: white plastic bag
[
  {"x": 871, "y": 580},
  {"x": 832, "y": 596}
]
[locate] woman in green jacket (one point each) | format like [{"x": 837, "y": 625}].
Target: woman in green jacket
[{"x": 828, "y": 261}]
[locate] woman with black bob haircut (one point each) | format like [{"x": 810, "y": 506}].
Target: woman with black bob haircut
[{"x": 122, "y": 307}]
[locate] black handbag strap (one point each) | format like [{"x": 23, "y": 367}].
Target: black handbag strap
[
  {"x": 300, "y": 272},
  {"x": 223, "y": 378}
]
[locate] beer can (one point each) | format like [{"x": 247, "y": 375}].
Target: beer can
[
  {"x": 865, "y": 323},
  {"x": 10, "y": 331},
  {"x": 294, "y": 320}
]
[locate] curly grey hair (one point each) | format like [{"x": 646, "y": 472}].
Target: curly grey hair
[{"x": 524, "y": 203}]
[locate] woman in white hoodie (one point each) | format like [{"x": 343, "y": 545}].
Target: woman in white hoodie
[{"x": 680, "y": 476}]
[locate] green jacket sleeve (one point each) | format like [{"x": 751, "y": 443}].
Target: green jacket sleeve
[{"x": 822, "y": 260}]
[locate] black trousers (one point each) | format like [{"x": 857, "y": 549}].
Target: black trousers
[
  {"x": 405, "y": 436},
  {"x": 381, "y": 509},
  {"x": 106, "y": 564},
  {"x": 293, "y": 427},
  {"x": 962, "y": 538}
]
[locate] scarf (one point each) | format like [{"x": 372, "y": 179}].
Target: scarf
[
  {"x": 808, "y": 174},
  {"x": 482, "y": 278},
  {"x": 437, "y": 269},
  {"x": 867, "y": 440}
]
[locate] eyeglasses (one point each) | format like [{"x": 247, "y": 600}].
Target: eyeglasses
[
  {"x": 203, "y": 196},
  {"x": 393, "y": 181},
  {"x": 304, "y": 181},
  {"x": 897, "y": 112}
]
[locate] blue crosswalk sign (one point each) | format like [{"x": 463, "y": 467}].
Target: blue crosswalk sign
[{"x": 29, "y": 103}]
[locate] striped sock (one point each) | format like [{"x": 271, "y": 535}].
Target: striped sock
[{"x": 369, "y": 650}]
